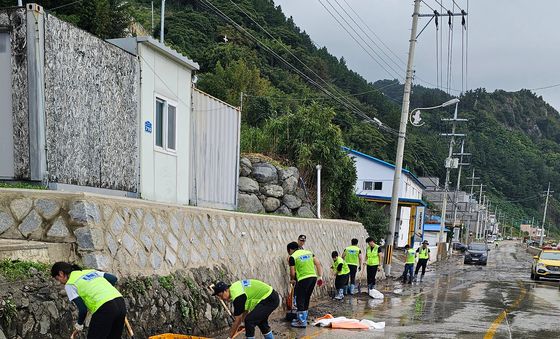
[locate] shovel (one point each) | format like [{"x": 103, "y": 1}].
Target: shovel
[
  {"x": 360, "y": 279},
  {"x": 128, "y": 328}
]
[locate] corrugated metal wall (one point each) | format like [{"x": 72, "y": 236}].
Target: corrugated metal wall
[{"x": 215, "y": 128}]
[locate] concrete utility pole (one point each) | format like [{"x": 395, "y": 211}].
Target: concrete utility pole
[
  {"x": 458, "y": 187},
  {"x": 161, "y": 33},
  {"x": 401, "y": 140},
  {"x": 319, "y": 191},
  {"x": 450, "y": 163},
  {"x": 544, "y": 216}
]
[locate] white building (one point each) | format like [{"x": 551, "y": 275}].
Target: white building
[
  {"x": 375, "y": 183},
  {"x": 165, "y": 113}
]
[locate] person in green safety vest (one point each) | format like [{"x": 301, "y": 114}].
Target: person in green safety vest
[
  {"x": 308, "y": 271},
  {"x": 353, "y": 257},
  {"x": 93, "y": 291},
  {"x": 253, "y": 302},
  {"x": 410, "y": 257},
  {"x": 374, "y": 257},
  {"x": 341, "y": 271},
  {"x": 423, "y": 253}
]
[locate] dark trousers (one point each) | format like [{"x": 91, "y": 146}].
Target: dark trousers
[
  {"x": 353, "y": 271},
  {"x": 421, "y": 263},
  {"x": 408, "y": 269},
  {"x": 108, "y": 321},
  {"x": 371, "y": 273},
  {"x": 258, "y": 317},
  {"x": 303, "y": 291},
  {"x": 341, "y": 281}
]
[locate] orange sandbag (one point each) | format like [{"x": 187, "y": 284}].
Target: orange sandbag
[
  {"x": 326, "y": 316},
  {"x": 349, "y": 325}
]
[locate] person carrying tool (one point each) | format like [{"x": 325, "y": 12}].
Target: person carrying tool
[
  {"x": 353, "y": 257},
  {"x": 253, "y": 302},
  {"x": 292, "y": 312},
  {"x": 308, "y": 271},
  {"x": 409, "y": 263},
  {"x": 423, "y": 253},
  {"x": 93, "y": 291},
  {"x": 373, "y": 258},
  {"x": 341, "y": 272}
]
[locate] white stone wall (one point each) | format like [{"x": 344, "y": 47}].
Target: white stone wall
[{"x": 133, "y": 237}]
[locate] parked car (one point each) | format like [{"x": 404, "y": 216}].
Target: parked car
[
  {"x": 546, "y": 265},
  {"x": 459, "y": 246},
  {"x": 476, "y": 253}
]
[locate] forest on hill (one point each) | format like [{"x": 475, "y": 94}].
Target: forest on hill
[{"x": 300, "y": 104}]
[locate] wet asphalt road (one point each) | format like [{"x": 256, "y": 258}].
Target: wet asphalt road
[{"x": 454, "y": 301}]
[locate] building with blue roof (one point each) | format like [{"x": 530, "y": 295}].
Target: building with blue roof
[{"x": 375, "y": 183}]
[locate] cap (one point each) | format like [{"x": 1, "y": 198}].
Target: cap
[
  {"x": 425, "y": 242},
  {"x": 302, "y": 237},
  {"x": 219, "y": 287}
]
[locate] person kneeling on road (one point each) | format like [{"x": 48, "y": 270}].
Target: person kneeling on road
[
  {"x": 341, "y": 272},
  {"x": 93, "y": 291},
  {"x": 253, "y": 302},
  {"x": 409, "y": 264},
  {"x": 308, "y": 270}
]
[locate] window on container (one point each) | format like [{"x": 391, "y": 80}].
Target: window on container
[
  {"x": 378, "y": 186},
  {"x": 171, "y": 126},
  {"x": 368, "y": 185},
  {"x": 160, "y": 105}
]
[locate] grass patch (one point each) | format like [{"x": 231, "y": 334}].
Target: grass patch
[
  {"x": 166, "y": 282},
  {"x": 25, "y": 185},
  {"x": 15, "y": 269}
]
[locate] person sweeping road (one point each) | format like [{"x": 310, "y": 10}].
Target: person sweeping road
[
  {"x": 308, "y": 270},
  {"x": 341, "y": 272},
  {"x": 353, "y": 257},
  {"x": 253, "y": 302},
  {"x": 93, "y": 291}
]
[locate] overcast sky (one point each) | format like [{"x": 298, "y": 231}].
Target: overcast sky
[{"x": 513, "y": 44}]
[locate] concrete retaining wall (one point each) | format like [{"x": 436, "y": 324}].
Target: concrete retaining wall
[{"x": 133, "y": 237}]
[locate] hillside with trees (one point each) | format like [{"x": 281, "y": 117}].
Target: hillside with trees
[{"x": 300, "y": 104}]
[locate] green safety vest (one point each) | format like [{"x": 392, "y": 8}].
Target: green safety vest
[
  {"x": 423, "y": 253},
  {"x": 255, "y": 290},
  {"x": 345, "y": 268},
  {"x": 94, "y": 289},
  {"x": 410, "y": 256},
  {"x": 372, "y": 255},
  {"x": 305, "y": 267},
  {"x": 352, "y": 256}
]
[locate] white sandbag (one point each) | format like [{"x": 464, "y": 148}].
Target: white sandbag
[
  {"x": 328, "y": 322},
  {"x": 373, "y": 325},
  {"x": 375, "y": 294}
]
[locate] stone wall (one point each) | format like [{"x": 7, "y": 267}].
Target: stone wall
[
  {"x": 91, "y": 108},
  {"x": 265, "y": 187},
  {"x": 14, "y": 20},
  {"x": 135, "y": 239}
]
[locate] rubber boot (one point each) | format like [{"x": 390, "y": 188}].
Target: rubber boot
[
  {"x": 415, "y": 277},
  {"x": 269, "y": 335},
  {"x": 353, "y": 289},
  {"x": 340, "y": 294},
  {"x": 249, "y": 337},
  {"x": 421, "y": 278},
  {"x": 301, "y": 320}
]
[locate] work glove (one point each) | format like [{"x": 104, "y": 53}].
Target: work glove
[
  {"x": 78, "y": 327},
  {"x": 320, "y": 281}
]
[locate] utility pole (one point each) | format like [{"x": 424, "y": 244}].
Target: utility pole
[
  {"x": 544, "y": 216},
  {"x": 478, "y": 213},
  {"x": 472, "y": 185},
  {"x": 401, "y": 141},
  {"x": 161, "y": 33},
  {"x": 461, "y": 164},
  {"x": 450, "y": 163}
]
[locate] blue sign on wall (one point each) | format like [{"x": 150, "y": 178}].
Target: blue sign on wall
[{"x": 148, "y": 127}]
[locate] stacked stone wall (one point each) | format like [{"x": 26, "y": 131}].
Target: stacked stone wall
[{"x": 268, "y": 188}]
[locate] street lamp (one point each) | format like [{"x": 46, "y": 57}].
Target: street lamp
[{"x": 398, "y": 168}]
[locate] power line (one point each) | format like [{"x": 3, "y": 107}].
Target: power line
[
  {"x": 545, "y": 87},
  {"x": 346, "y": 104},
  {"x": 354, "y": 38}
]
